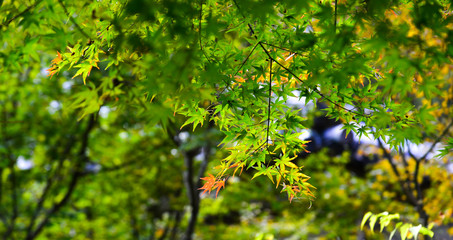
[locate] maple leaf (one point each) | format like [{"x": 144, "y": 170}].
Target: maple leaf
[
  {"x": 219, "y": 184},
  {"x": 52, "y": 71},
  {"x": 54, "y": 67},
  {"x": 58, "y": 59},
  {"x": 94, "y": 62},
  {"x": 241, "y": 167},
  {"x": 210, "y": 181},
  {"x": 295, "y": 190},
  {"x": 85, "y": 69},
  {"x": 292, "y": 191}
]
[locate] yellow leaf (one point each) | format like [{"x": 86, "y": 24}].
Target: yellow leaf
[
  {"x": 279, "y": 177},
  {"x": 290, "y": 164},
  {"x": 270, "y": 177}
]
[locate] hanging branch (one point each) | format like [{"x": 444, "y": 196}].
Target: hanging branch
[
  {"x": 73, "y": 20},
  {"x": 269, "y": 105},
  {"x": 246, "y": 59},
  {"x": 314, "y": 89},
  {"x": 293, "y": 74},
  {"x": 239, "y": 69}
]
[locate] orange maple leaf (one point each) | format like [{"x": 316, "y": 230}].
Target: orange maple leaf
[
  {"x": 219, "y": 184},
  {"x": 58, "y": 59},
  {"x": 210, "y": 181},
  {"x": 54, "y": 67},
  {"x": 295, "y": 190}
]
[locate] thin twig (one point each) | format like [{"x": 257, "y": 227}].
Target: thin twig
[
  {"x": 246, "y": 59},
  {"x": 293, "y": 74},
  {"x": 281, "y": 48},
  {"x": 199, "y": 31},
  {"x": 7, "y": 22},
  {"x": 73, "y": 20},
  {"x": 269, "y": 110},
  {"x": 436, "y": 141},
  {"x": 269, "y": 104},
  {"x": 239, "y": 69},
  {"x": 314, "y": 89}
]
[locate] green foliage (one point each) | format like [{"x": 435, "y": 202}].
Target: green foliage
[
  {"x": 122, "y": 108},
  {"x": 447, "y": 149},
  {"x": 405, "y": 228}
]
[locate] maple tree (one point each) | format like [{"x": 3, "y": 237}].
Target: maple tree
[{"x": 227, "y": 72}]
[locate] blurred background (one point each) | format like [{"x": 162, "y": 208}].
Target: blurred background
[{"x": 93, "y": 161}]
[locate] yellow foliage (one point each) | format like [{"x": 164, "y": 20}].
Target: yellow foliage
[{"x": 450, "y": 231}]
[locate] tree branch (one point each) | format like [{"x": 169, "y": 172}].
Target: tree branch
[
  {"x": 204, "y": 164},
  {"x": 2, "y": 216},
  {"x": 7, "y": 22},
  {"x": 269, "y": 104},
  {"x": 193, "y": 199},
  {"x": 419, "y": 203},
  {"x": 293, "y": 74},
  {"x": 11, "y": 165},
  {"x": 402, "y": 183},
  {"x": 436, "y": 141},
  {"x": 178, "y": 216},
  {"x": 239, "y": 69},
  {"x": 49, "y": 182},
  {"x": 12, "y": 221},
  {"x": 77, "y": 172},
  {"x": 73, "y": 20}
]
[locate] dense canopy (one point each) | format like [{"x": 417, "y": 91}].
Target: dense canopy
[{"x": 250, "y": 119}]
